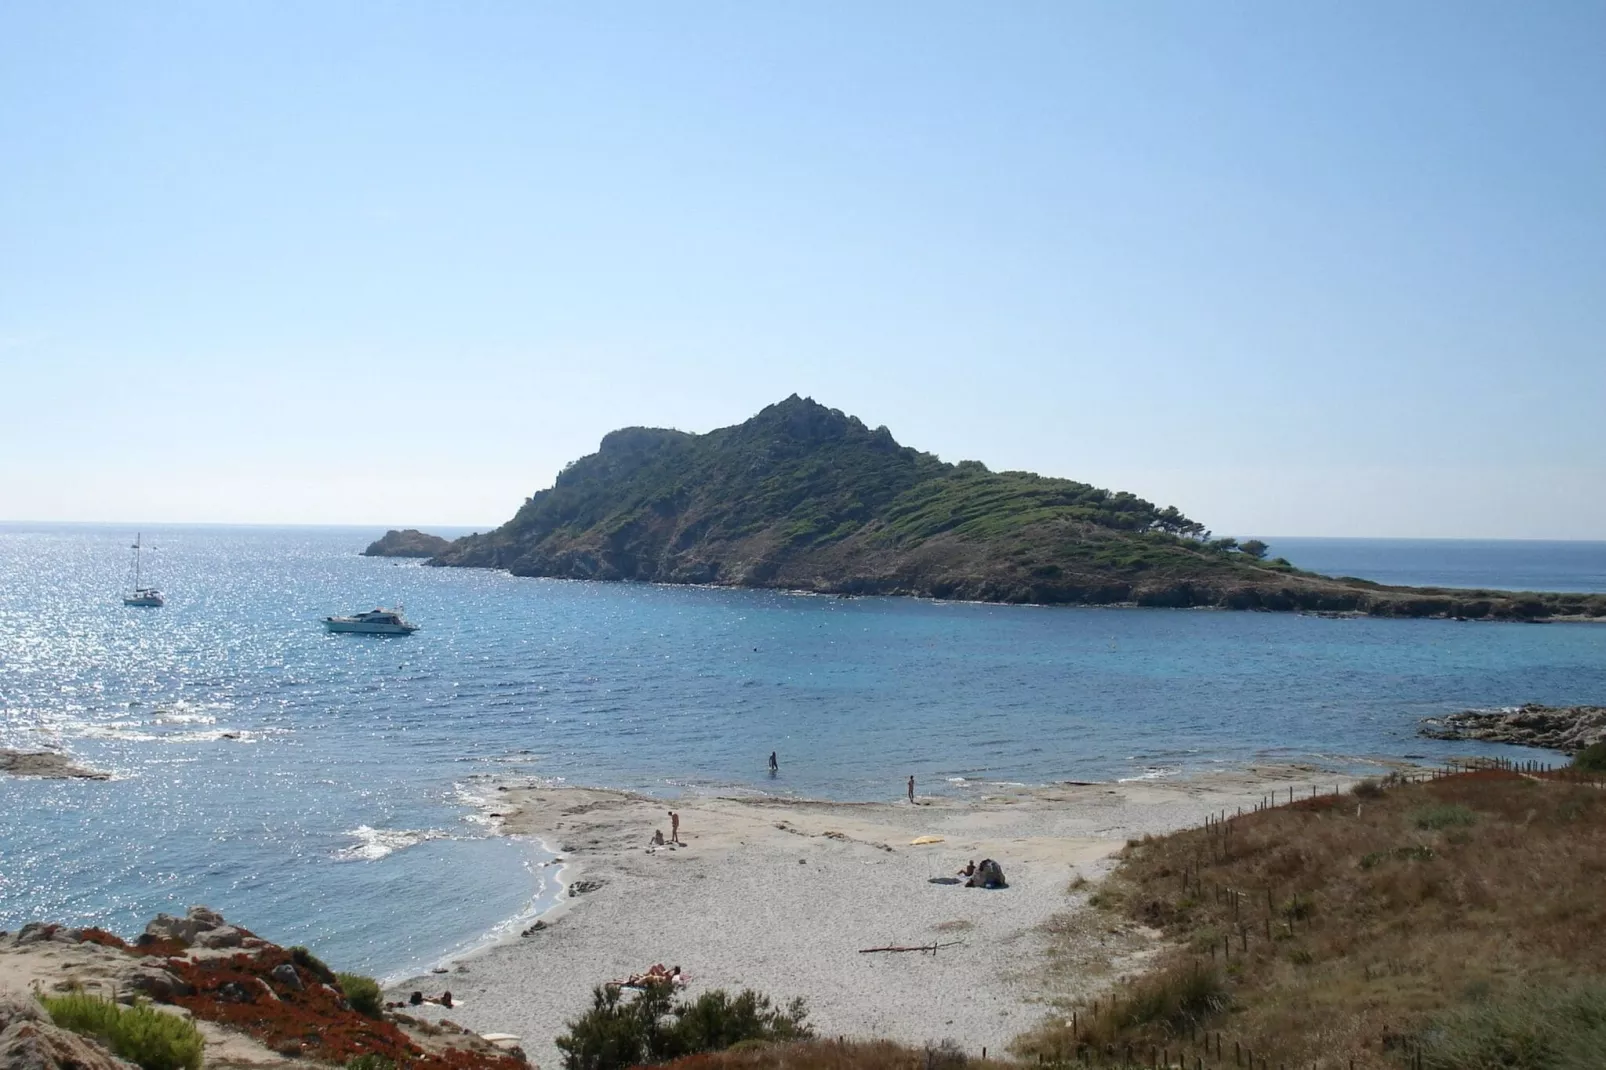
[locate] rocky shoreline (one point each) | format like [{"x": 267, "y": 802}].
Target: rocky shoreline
[{"x": 1568, "y": 729}]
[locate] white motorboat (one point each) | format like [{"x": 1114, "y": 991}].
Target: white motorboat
[
  {"x": 144, "y": 597},
  {"x": 373, "y": 622}
]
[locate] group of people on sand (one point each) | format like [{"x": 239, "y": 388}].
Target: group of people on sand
[
  {"x": 674, "y": 832},
  {"x": 656, "y": 974},
  {"x": 418, "y": 998}
]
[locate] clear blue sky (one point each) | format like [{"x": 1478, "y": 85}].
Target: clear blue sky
[{"x": 1296, "y": 268}]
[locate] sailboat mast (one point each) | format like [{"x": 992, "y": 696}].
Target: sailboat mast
[{"x": 136, "y": 562}]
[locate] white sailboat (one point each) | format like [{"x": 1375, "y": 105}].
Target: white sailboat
[{"x": 146, "y": 597}]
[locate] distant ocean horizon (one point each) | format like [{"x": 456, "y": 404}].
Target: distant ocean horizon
[
  {"x": 1575, "y": 566},
  {"x": 1565, "y": 565},
  {"x": 335, "y": 790}
]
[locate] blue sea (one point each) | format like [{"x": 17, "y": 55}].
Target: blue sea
[{"x": 332, "y": 790}]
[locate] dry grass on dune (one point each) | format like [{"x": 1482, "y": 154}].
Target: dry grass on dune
[
  {"x": 1392, "y": 925},
  {"x": 834, "y": 1055}
]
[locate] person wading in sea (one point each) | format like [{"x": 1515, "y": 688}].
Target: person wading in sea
[
  {"x": 911, "y": 788},
  {"x": 775, "y": 766}
]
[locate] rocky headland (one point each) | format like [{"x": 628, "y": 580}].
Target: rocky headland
[
  {"x": 49, "y": 764},
  {"x": 1568, "y": 729},
  {"x": 806, "y": 498},
  {"x": 408, "y": 543},
  {"x": 256, "y": 1005}
]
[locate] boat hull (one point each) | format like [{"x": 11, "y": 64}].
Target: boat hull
[
  {"x": 145, "y": 601},
  {"x": 365, "y": 628}
]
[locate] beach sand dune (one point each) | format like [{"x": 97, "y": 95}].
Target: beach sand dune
[{"x": 781, "y": 895}]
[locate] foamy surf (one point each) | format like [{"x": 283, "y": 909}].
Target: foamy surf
[
  {"x": 373, "y": 844},
  {"x": 1153, "y": 772}
]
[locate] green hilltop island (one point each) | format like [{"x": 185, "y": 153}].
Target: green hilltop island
[{"x": 806, "y": 498}]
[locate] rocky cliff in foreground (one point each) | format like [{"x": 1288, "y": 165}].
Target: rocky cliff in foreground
[
  {"x": 803, "y": 497},
  {"x": 256, "y": 1004}
]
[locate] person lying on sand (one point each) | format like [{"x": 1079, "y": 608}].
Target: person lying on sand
[{"x": 656, "y": 974}]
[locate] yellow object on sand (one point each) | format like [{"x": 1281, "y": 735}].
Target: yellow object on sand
[{"x": 921, "y": 840}]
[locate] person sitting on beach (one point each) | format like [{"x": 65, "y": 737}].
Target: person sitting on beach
[
  {"x": 969, "y": 870},
  {"x": 657, "y": 837}
]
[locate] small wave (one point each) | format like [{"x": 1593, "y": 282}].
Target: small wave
[
  {"x": 177, "y": 717},
  {"x": 373, "y": 844},
  {"x": 214, "y": 734},
  {"x": 123, "y": 732},
  {"x": 1151, "y": 773}
]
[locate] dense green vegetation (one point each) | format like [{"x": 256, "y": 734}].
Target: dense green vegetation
[
  {"x": 1592, "y": 759},
  {"x": 362, "y": 993},
  {"x": 807, "y": 498},
  {"x": 652, "y": 1028},
  {"x": 146, "y": 1037}
]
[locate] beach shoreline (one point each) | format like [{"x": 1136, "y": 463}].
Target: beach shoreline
[{"x": 784, "y": 895}]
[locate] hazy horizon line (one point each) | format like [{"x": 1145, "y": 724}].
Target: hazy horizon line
[{"x": 154, "y": 525}]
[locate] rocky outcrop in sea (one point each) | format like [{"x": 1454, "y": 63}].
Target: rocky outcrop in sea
[
  {"x": 49, "y": 764},
  {"x": 1562, "y": 728},
  {"x": 409, "y": 543}
]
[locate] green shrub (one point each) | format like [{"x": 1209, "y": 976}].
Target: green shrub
[
  {"x": 716, "y": 1020},
  {"x": 369, "y": 1062},
  {"x": 1535, "y": 1029},
  {"x": 144, "y": 1036},
  {"x": 1443, "y": 816},
  {"x": 313, "y": 964},
  {"x": 613, "y": 1033},
  {"x": 1367, "y": 789},
  {"x": 617, "y": 1033},
  {"x": 362, "y": 993},
  {"x": 1592, "y": 759}
]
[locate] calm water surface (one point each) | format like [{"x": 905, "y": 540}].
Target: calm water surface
[{"x": 325, "y": 789}]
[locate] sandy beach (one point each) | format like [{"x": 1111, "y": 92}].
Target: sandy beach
[{"x": 781, "y": 896}]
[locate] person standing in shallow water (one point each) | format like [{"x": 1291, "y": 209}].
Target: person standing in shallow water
[
  {"x": 911, "y": 788},
  {"x": 775, "y": 765}
]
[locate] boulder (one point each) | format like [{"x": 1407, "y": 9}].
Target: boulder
[
  {"x": 286, "y": 975},
  {"x": 155, "y": 982},
  {"x": 222, "y": 936},
  {"x": 235, "y": 992},
  {"x": 29, "y": 1042},
  {"x": 198, "y": 922},
  {"x": 15, "y": 1009},
  {"x": 38, "y": 932}
]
